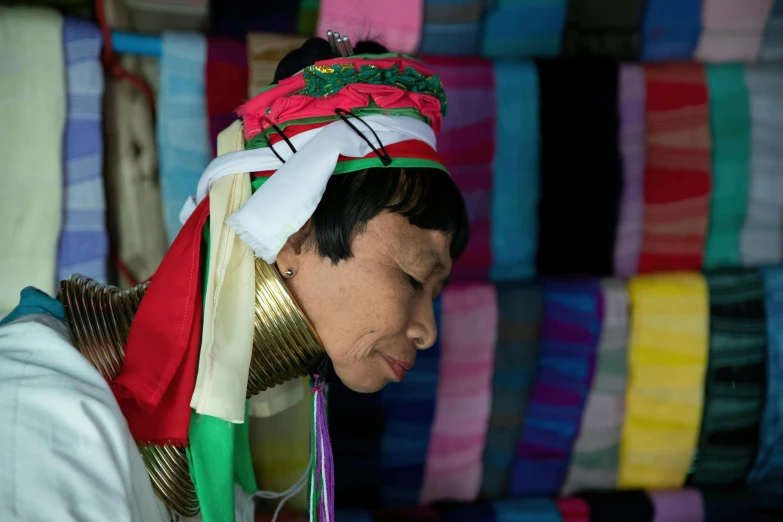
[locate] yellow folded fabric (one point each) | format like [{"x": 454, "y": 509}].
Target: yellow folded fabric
[
  {"x": 227, "y": 335},
  {"x": 280, "y": 446},
  {"x": 667, "y": 366}
]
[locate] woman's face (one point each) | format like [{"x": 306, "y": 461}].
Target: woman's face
[{"x": 374, "y": 310}]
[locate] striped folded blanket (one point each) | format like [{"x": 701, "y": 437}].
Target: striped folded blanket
[
  {"x": 677, "y": 176},
  {"x": 761, "y": 240},
  {"x": 732, "y": 31},
  {"x": 84, "y": 241},
  {"x": 764, "y": 480},
  {"x": 516, "y": 355},
  {"x": 468, "y": 336},
  {"x": 467, "y": 143},
  {"x": 667, "y": 365},
  {"x": 409, "y": 411},
  {"x": 183, "y": 140},
  {"x": 596, "y": 452},
  {"x": 570, "y": 330},
  {"x": 736, "y": 380}
]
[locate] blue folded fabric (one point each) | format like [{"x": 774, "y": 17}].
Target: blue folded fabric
[
  {"x": 671, "y": 29},
  {"x": 766, "y": 479},
  {"x": 515, "y": 187},
  {"x": 409, "y": 411},
  {"x": 524, "y": 28},
  {"x": 451, "y": 39},
  {"x": 183, "y": 141},
  {"x": 84, "y": 241}
]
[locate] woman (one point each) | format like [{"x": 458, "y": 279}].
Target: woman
[{"x": 352, "y": 217}]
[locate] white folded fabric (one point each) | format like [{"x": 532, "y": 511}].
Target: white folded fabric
[{"x": 288, "y": 199}]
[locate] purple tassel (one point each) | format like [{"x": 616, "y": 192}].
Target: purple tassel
[{"x": 322, "y": 474}]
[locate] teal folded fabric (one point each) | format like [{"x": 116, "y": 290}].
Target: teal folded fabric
[
  {"x": 523, "y": 28},
  {"x": 33, "y": 301},
  {"x": 515, "y": 178},
  {"x": 527, "y": 510},
  {"x": 516, "y": 354},
  {"x": 730, "y": 130}
]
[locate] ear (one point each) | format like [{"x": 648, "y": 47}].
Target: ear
[{"x": 290, "y": 255}]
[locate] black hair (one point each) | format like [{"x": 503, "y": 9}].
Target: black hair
[{"x": 427, "y": 197}]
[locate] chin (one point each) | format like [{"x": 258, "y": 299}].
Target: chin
[{"x": 361, "y": 385}]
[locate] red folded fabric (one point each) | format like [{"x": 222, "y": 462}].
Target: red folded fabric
[
  {"x": 677, "y": 178},
  {"x": 573, "y": 510},
  {"x": 158, "y": 375},
  {"x": 227, "y": 83}
]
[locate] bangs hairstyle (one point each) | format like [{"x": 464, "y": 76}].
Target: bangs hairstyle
[{"x": 428, "y": 198}]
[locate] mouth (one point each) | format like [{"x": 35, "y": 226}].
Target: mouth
[{"x": 399, "y": 368}]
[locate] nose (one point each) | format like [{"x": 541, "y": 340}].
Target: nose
[{"x": 423, "y": 331}]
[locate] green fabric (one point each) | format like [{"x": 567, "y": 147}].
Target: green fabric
[
  {"x": 735, "y": 383},
  {"x": 307, "y": 18},
  {"x": 730, "y": 130},
  {"x": 345, "y": 167},
  {"x": 215, "y": 457},
  {"x": 258, "y": 142},
  {"x": 320, "y": 82},
  {"x": 219, "y": 451}
]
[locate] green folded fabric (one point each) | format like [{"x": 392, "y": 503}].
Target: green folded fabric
[{"x": 730, "y": 130}]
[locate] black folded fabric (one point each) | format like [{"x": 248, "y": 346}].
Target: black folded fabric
[
  {"x": 356, "y": 426},
  {"x": 620, "y": 506},
  {"x": 581, "y": 171},
  {"x": 730, "y": 507},
  {"x": 736, "y": 379},
  {"x": 609, "y": 28}
]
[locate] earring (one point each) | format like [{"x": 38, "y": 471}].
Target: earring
[{"x": 288, "y": 273}]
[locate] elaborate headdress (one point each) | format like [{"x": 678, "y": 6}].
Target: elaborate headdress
[{"x": 192, "y": 343}]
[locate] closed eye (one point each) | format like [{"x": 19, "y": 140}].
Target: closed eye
[{"x": 415, "y": 283}]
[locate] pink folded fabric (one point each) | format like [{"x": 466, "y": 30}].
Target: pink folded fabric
[
  {"x": 732, "y": 30},
  {"x": 397, "y": 24},
  {"x": 467, "y": 144},
  {"x": 468, "y": 336}
]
